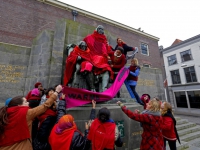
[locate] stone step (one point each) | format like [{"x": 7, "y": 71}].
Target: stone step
[
  {"x": 195, "y": 144},
  {"x": 188, "y": 130},
  {"x": 190, "y": 136},
  {"x": 181, "y": 121},
  {"x": 182, "y": 146},
  {"x": 177, "y": 118},
  {"x": 185, "y": 126}
]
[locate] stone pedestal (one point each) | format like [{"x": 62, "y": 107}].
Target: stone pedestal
[{"x": 130, "y": 130}]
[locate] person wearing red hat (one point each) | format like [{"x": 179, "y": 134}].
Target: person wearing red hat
[
  {"x": 37, "y": 85},
  {"x": 145, "y": 99}
]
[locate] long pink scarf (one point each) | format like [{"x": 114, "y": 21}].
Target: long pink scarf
[{"x": 78, "y": 97}]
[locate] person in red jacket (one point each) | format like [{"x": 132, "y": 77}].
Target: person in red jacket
[
  {"x": 103, "y": 133},
  {"x": 151, "y": 122},
  {"x": 169, "y": 130},
  {"x": 117, "y": 61}
]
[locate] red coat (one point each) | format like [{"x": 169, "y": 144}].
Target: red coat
[
  {"x": 152, "y": 132},
  {"x": 102, "y": 135},
  {"x": 168, "y": 130}
]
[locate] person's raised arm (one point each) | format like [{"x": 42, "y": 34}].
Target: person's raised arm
[
  {"x": 34, "y": 112},
  {"x": 93, "y": 111},
  {"x": 61, "y": 108}
]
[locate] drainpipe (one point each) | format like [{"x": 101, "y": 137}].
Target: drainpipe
[{"x": 74, "y": 13}]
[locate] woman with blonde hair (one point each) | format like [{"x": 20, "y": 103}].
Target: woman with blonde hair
[
  {"x": 151, "y": 121},
  {"x": 133, "y": 78},
  {"x": 169, "y": 126}
]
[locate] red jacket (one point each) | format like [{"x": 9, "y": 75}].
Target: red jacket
[
  {"x": 152, "y": 132},
  {"x": 168, "y": 130}
]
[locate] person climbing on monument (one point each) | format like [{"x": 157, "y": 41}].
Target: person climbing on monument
[
  {"x": 98, "y": 45},
  {"x": 126, "y": 48},
  {"x": 81, "y": 60},
  {"x": 169, "y": 130},
  {"x": 133, "y": 78},
  {"x": 151, "y": 122},
  {"x": 103, "y": 133},
  {"x": 18, "y": 115},
  {"x": 117, "y": 61}
]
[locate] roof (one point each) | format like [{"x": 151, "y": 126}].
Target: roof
[
  {"x": 95, "y": 16},
  {"x": 182, "y": 43},
  {"x": 176, "y": 42}
]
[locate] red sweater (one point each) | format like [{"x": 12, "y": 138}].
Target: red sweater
[
  {"x": 168, "y": 130},
  {"x": 117, "y": 62}
]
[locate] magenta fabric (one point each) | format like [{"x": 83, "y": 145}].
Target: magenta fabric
[{"x": 78, "y": 97}]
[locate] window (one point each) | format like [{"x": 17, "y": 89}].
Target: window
[
  {"x": 175, "y": 77},
  {"x": 181, "y": 100},
  {"x": 190, "y": 74},
  {"x": 144, "y": 49},
  {"x": 146, "y": 65},
  {"x": 172, "y": 60},
  {"x": 186, "y": 55},
  {"x": 194, "y": 98}
]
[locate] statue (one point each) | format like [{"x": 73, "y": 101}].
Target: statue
[
  {"x": 82, "y": 65},
  {"x": 98, "y": 45}
]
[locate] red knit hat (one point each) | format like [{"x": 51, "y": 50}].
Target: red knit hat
[{"x": 37, "y": 84}]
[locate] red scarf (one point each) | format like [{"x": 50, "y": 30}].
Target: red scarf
[
  {"x": 17, "y": 128},
  {"x": 61, "y": 141},
  {"x": 102, "y": 135},
  {"x": 120, "y": 44},
  {"x": 97, "y": 61},
  {"x": 97, "y": 43}
]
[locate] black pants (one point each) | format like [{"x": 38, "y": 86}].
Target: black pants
[
  {"x": 136, "y": 95},
  {"x": 172, "y": 144}
]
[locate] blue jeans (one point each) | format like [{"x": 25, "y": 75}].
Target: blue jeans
[{"x": 136, "y": 95}]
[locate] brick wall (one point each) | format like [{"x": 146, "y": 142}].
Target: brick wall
[{"x": 22, "y": 20}]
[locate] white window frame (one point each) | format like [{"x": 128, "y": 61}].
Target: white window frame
[{"x": 147, "y": 48}]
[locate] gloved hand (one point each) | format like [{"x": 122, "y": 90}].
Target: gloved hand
[{"x": 120, "y": 103}]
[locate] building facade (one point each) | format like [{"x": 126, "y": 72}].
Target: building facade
[{"x": 182, "y": 66}]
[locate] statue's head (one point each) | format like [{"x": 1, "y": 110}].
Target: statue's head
[
  {"x": 82, "y": 45},
  {"x": 100, "y": 29}
]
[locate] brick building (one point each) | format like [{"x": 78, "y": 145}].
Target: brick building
[{"x": 22, "y": 20}]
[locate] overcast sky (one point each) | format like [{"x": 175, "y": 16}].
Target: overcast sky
[{"x": 165, "y": 19}]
